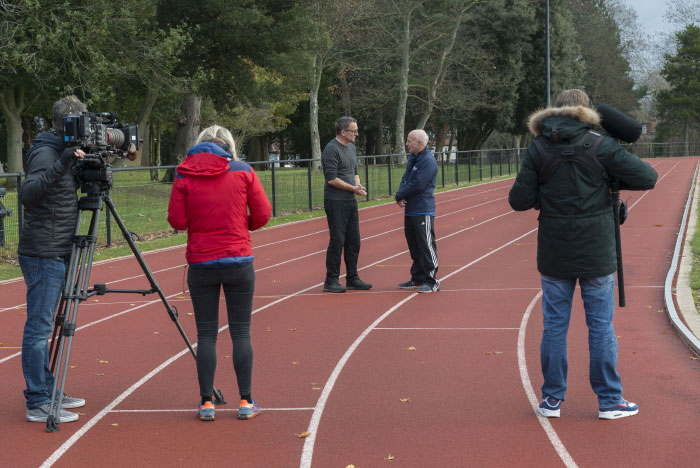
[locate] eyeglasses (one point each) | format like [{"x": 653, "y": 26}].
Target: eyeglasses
[{"x": 352, "y": 131}]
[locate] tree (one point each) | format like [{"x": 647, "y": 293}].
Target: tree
[
  {"x": 243, "y": 54},
  {"x": 679, "y": 106},
  {"x": 47, "y": 54},
  {"x": 607, "y": 77}
]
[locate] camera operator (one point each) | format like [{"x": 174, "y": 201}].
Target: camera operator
[
  {"x": 576, "y": 240},
  {"x": 49, "y": 197}
]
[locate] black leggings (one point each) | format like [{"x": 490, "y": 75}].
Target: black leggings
[{"x": 205, "y": 287}]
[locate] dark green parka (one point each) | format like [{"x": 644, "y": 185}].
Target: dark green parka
[{"x": 576, "y": 237}]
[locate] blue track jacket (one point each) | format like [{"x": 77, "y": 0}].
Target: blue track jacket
[{"x": 418, "y": 184}]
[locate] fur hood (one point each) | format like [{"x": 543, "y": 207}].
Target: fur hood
[{"x": 582, "y": 114}]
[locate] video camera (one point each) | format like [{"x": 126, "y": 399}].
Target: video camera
[
  {"x": 99, "y": 132},
  {"x": 102, "y": 137}
]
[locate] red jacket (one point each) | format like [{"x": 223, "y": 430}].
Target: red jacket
[{"x": 210, "y": 199}]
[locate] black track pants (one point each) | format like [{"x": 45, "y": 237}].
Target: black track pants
[{"x": 420, "y": 236}]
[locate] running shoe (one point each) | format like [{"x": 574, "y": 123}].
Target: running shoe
[
  {"x": 621, "y": 410},
  {"x": 41, "y": 414},
  {"x": 248, "y": 410},
  {"x": 549, "y": 407},
  {"x": 408, "y": 285},
  {"x": 426, "y": 288},
  {"x": 357, "y": 283},
  {"x": 70, "y": 403},
  {"x": 206, "y": 411}
]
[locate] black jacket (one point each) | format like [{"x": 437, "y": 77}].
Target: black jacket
[
  {"x": 576, "y": 237},
  {"x": 49, "y": 197}
]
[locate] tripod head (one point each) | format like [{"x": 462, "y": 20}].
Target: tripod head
[{"x": 94, "y": 173}]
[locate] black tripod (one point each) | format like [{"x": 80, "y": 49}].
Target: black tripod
[{"x": 78, "y": 277}]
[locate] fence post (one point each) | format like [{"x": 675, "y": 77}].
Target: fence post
[
  {"x": 457, "y": 168},
  {"x": 389, "y": 166},
  {"x": 274, "y": 194},
  {"x": 442, "y": 164},
  {"x": 481, "y": 167},
  {"x": 20, "y": 213},
  {"x": 311, "y": 200},
  {"x": 366, "y": 161}
]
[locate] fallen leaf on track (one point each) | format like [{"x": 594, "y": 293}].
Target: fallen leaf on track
[
  {"x": 303, "y": 434},
  {"x": 411, "y": 348},
  {"x": 404, "y": 400},
  {"x": 103, "y": 362},
  {"x": 389, "y": 457}
]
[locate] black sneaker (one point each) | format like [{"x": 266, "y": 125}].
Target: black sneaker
[
  {"x": 357, "y": 283},
  {"x": 408, "y": 285},
  {"x": 333, "y": 288}
]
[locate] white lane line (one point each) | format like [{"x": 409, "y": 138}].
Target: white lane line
[
  {"x": 103, "y": 319},
  {"x": 446, "y": 328},
  {"x": 95, "y": 419},
  {"x": 307, "y": 452},
  {"x": 396, "y": 213},
  {"x": 83, "y": 430},
  {"x": 527, "y": 385},
  {"x": 193, "y": 410}
]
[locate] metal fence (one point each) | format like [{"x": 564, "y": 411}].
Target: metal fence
[{"x": 291, "y": 185}]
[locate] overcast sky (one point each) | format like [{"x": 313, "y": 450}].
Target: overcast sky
[{"x": 650, "y": 15}]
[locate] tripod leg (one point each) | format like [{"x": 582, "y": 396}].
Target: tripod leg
[
  {"x": 76, "y": 291},
  {"x": 155, "y": 286}
]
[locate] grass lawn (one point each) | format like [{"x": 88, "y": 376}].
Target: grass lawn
[{"x": 142, "y": 205}]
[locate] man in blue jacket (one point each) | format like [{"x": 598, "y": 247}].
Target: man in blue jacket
[{"x": 415, "y": 195}]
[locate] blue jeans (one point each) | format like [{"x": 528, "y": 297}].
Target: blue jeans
[
  {"x": 44, "y": 278},
  {"x": 598, "y": 296}
]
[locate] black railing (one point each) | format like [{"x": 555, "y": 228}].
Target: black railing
[{"x": 292, "y": 185}]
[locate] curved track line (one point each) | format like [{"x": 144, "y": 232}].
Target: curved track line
[
  {"x": 95, "y": 419},
  {"x": 529, "y": 391},
  {"x": 307, "y": 453},
  {"x": 83, "y": 430}
]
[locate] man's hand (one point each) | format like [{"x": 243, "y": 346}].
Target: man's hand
[
  {"x": 360, "y": 190},
  {"x": 402, "y": 203},
  {"x": 131, "y": 153}
]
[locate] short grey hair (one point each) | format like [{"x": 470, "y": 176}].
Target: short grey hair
[
  {"x": 343, "y": 123},
  {"x": 66, "y": 106},
  {"x": 218, "y": 134}
]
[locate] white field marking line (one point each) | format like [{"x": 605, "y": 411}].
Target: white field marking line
[
  {"x": 142, "y": 275},
  {"x": 378, "y": 235},
  {"x": 647, "y": 191},
  {"x": 193, "y": 410},
  {"x": 95, "y": 419},
  {"x": 83, "y": 430},
  {"x": 445, "y": 328},
  {"x": 525, "y": 378},
  {"x": 529, "y": 391},
  {"x": 103, "y": 319},
  {"x": 399, "y": 212},
  {"x": 307, "y": 453}
]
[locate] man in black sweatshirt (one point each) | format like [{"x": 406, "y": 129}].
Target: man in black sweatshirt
[{"x": 49, "y": 197}]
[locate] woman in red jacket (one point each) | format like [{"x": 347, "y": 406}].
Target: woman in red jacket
[{"x": 211, "y": 199}]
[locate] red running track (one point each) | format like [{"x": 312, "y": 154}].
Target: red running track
[{"x": 379, "y": 378}]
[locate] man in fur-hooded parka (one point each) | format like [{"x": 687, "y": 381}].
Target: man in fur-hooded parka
[{"x": 576, "y": 237}]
